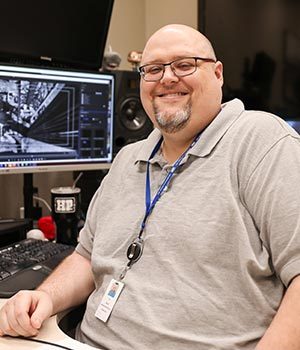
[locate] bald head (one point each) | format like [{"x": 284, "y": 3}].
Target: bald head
[
  {"x": 180, "y": 38},
  {"x": 188, "y": 92}
]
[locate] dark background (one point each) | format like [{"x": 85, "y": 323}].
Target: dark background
[{"x": 258, "y": 42}]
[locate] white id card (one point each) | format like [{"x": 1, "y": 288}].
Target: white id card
[{"x": 109, "y": 299}]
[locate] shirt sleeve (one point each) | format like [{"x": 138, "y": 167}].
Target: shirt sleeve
[
  {"x": 86, "y": 235},
  {"x": 272, "y": 196}
]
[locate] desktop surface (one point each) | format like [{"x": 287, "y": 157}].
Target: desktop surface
[{"x": 49, "y": 332}]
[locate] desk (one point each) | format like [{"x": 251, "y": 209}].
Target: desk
[{"x": 49, "y": 332}]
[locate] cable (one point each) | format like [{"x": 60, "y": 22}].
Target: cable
[
  {"x": 43, "y": 201},
  {"x": 43, "y": 342}
]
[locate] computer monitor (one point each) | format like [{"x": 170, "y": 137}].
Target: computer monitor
[
  {"x": 61, "y": 33},
  {"x": 53, "y": 120}
]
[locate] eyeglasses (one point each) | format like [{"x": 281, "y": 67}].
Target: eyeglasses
[{"x": 180, "y": 67}]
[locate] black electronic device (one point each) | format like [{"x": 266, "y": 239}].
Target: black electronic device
[
  {"x": 53, "y": 120},
  {"x": 25, "y": 264},
  {"x": 57, "y": 33},
  {"x": 56, "y": 109},
  {"x": 13, "y": 230},
  {"x": 131, "y": 121}
]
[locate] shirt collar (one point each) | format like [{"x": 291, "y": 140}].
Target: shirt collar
[
  {"x": 148, "y": 145},
  {"x": 230, "y": 111}
]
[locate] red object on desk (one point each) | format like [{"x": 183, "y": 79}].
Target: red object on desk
[{"x": 47, "y": 225}]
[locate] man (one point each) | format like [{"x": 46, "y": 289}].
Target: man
[{"x": 198, "y": 224}]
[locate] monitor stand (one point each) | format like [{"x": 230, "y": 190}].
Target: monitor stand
[{"x": 28, "y": 192}]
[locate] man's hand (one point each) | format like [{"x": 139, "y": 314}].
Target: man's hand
[{"x": 24, "y": 313}]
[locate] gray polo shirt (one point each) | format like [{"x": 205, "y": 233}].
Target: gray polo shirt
[{"x": 221, "y": 244}]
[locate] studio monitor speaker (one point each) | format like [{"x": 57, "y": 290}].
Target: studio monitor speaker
[{"x": 131, "y": 122}]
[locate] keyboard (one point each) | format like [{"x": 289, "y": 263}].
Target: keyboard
[{"x": 25, "y": 264}]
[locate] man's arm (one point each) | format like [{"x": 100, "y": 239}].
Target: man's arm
[
  {"x": 69, "y": 285},
  {"x": 284, "y": 331}
]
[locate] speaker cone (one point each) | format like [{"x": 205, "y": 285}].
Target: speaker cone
[{"x": 133, "y": 116}]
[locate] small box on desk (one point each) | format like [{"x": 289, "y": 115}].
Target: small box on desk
[{"x": 13, "y": 230}]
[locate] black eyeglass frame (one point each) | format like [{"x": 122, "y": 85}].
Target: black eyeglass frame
[{"x": 164, "y": 65}]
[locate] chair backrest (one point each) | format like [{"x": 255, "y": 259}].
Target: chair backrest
[{"x": 69, "y": 321}]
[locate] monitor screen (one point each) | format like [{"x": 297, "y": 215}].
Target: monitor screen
[
  {"x": 54, "y": 120},
  {"x": 65, "y": 33}
]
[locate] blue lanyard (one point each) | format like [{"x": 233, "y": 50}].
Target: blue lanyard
[
  {"x": 135, "y": 249},
  {"x": 150, "y": 204}
]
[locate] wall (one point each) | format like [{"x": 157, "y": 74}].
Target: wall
[
  {"x": 127, "y": 28},
  {"x": 132, "y": 23},
  {"x": 159, "y": 13}
]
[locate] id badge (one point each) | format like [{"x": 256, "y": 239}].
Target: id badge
[{"x": 109, "y": 300}]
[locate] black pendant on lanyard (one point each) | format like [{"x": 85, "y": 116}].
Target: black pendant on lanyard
[{"x": 135, "y": 250}]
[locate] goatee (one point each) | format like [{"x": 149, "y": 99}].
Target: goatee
[{"x": 170, "y": 121}]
